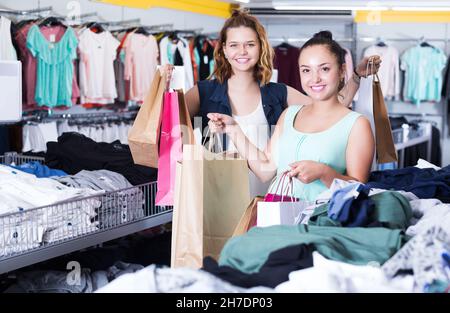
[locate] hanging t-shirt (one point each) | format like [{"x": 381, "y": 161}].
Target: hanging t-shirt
[
  {"x": 141, "y": 59},
  {"x": 286, "y": 62},
  {"x": 29, "y": 64},
  {"x": 205, "y": 52},
  {"x": 167, "y": 53},
  {"x": 97, "y": 78},
  {"x": 7, "y": 51},
  {"x": 389, "y": 72},
  {"x": 423, "y": 74},
  {"x": 54, "y": 76}
]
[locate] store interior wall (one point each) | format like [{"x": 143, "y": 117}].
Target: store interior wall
[{"x": 279, "y": 29}]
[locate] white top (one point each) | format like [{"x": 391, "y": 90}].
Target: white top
[
  {"x": 257, "y": 130},
  {"x": 183, "y": 47},
  {"x": 97, "y": 79},
  {"x": 7, "y": 51},
  {"x": 389, "y": 72}
]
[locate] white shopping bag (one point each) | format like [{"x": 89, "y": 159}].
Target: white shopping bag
[
  {"x": 280, "y": 213},
  {"x": 364, "y": 105},
  {"x": 280, "y": 207}
]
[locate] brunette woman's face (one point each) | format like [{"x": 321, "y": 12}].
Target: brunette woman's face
[
  {"x": 242, "y": 49},
  {"x": 320, "y": 72}
]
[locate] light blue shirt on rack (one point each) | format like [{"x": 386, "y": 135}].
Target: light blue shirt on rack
[{"x": 423, "y": 77}]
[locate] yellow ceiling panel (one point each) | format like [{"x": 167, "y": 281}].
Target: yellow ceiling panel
[
  {"x": 208, "y": 7},
  {"x": 401, "y": 17}
]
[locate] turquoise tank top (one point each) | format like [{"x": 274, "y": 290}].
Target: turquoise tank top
[{"x": 328, "y": 147}]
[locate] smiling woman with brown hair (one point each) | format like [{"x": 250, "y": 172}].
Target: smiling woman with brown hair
[{"x": 316, "y": 143}]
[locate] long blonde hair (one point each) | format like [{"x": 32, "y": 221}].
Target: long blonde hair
[{"x": 263, "y": 69}]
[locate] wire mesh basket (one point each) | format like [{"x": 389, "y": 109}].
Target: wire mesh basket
[{"x": 28, "y": 230}]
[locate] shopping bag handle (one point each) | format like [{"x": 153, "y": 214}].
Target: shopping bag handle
[
  {"x": 169, "y": 75},
  {"x": 212, "y": 137},
  {"x": 371, "y": 65},
  {"x": 281, "y": 182}
]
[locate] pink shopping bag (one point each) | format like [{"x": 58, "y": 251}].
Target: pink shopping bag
[
  {"x": 176, "y": 129},
  {"x": 280, "y": 195}
]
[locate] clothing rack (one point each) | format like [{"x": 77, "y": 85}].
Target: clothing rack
[
  {"x": 159, "y": 28},
  {"x": 370, "y": 39},
  {"x": 150, "y": 28},
  {"x": 305, "y": 39},
  {"x": 120, "y": 23},
  {"x": 83, "y": 116},
  {"x": 85, "y": 15},
  {"x": 194, "y": 31},
  {"x": 26, "y": 12}
]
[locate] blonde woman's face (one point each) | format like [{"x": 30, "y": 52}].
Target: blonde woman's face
[
  {"x": 242, "y": 49},
  {"x": 320, "y": 73}
]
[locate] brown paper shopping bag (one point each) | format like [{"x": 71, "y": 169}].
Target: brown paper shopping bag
[
  {"x": 385, "y": 146},
  {"x": 248, "y": 219},
  {"x": 143, "y": 137},
  {"x": 211, "y": 194}
]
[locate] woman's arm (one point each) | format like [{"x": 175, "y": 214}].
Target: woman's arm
[
  {"x": 359, "y": 157},
  {"x": 363, "y": 69},
  {"x": 192, "y": 98},
  {"x": 260, "y": 162}
]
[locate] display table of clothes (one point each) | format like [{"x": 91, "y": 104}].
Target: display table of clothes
[{"x": 389, "y": 235}]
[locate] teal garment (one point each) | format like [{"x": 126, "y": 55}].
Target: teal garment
[
  {"x": 423, "y": 77},
  {"x": 170, "y": 54},
  {"x": 391, "y": 209},
  {"x": 328, "y": 147},
  {"x": 247, "y": 253},
  {"x": 54, "y": 74},
  {"x": 197, "y": 61}
]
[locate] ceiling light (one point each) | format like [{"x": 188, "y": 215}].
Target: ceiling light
[{"x": 330, "y": 8}]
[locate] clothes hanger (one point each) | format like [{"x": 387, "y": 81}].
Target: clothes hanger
[
  {"x": 142, "y": 30},
  {"x": 96, "y": 27},
  {"x": 380, "y": 42},
  {"x": 52, "y": 21},
  {"x": 423, "y": 43},
  {"x": 285, "y": 44}
]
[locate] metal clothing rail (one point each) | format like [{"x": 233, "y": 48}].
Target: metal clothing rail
[
  {"x": 421, "y": 39},
  {"x": 26, "y": 12},
  {"x": 120, "y": 23},
  {"x": 305, "y": 39},
  {"x": 65, "y": 116}
]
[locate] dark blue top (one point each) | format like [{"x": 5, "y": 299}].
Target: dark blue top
[{"x": 214, "y": 99}]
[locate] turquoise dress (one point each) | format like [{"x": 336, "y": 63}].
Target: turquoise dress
[
  {"x": 54, "y": 75},
  {"x": 327, "y": 147}
]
